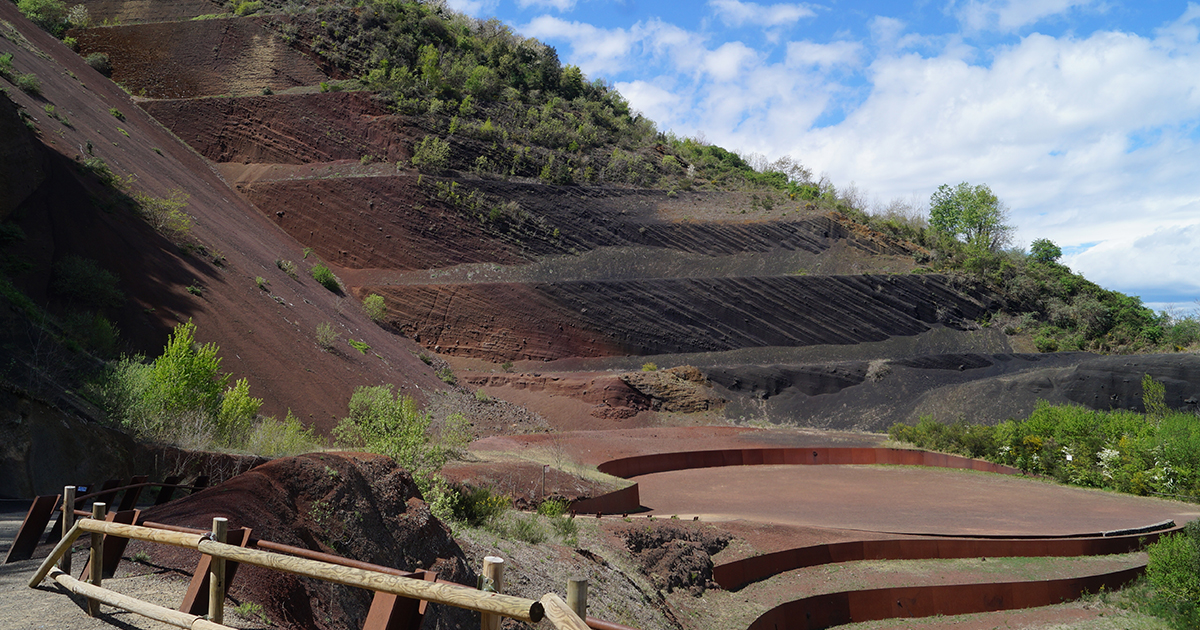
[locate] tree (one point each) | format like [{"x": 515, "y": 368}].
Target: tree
[
  {"x": 1045, "y": 251},
  {"x": 972, "y": 213}
]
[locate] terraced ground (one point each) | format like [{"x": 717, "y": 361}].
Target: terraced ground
[{"x": 549, "y": 297}]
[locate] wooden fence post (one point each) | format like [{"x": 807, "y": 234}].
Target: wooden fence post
[
  {"x": 491, "y": 580},
  {"x": 577, "y": 589},
  {"x": 68, "y": 521},
  {"x": 97, "y": 560},
  {"x": 216, "y": 575}
]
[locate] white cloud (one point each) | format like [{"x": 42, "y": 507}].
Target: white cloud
[
  {"x": 727, "y": 62},
  {"x": 823, "y": 56},
  {"x": 735, "y": 13},
  {"x": 1089, "y": 139},
  {"x": 1010, "y": 15},
  {"x": 601, "y": 51},
  {"x": 473, "y": 8},
  {"x": 559, "y": 5},
  {"x": 1160, "y": 265}
]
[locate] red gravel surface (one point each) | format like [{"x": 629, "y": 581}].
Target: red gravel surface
[{"x": 900, "y": 499}]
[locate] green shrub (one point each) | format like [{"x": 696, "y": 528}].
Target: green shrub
[
  {"x": 237, "y": 414},
  {"x": 100, "y": 169},
  {"x": 480, "y": 506},
  {"x": 7, "y": 71},
  {"x": 116, "y": 113},
  {"x": 93, "y": 331},
  {"x": 447, "y": 376},
  {"x": 78, "y": 17},
  {"x": 649, "y": 367},
  {"x": 1174, "y": 565},
  {"x": 272, "y": 438},
  {"x": 552, "y": 507},
  {"x": 100, "y": 63},
  {"x": 29, "y": 84},
  {"x": 288, "y": 267},
  {"x": 431, "y": 155},
  {"x": 375, "y": 308},
  {"x": 165, "y": 214},
  {"x": 567, "y": 529},
  {"x": 325, "y": 278},
  {"x": 180, "y": 398},
  {"x": 50, "y": 15},
  {"x": 248, "y": 8},
  {"x": 391, "y": 424},
  {"x": 83, "y": 282},
  {"x": 327, "y": 336},
  {"x": 528, "y": 529},
  {"x": 361, "y": 346}
]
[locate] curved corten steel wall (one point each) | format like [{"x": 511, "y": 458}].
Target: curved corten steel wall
[
  {"x": 620, "y": 501},
  {"x": 735, "y": 575},
  {"x": 824, "y": 611},
  {"x": 627, "y": 499},
  {"x": 662, "y": 462}
]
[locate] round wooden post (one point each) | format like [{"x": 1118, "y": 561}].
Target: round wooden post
[
  {"x": 492, "y": 580},
  {"x": 68, "y": 521},
  {"x": 97, "y": 558},
  {"x": 577, "y": 596},
  {"x": 216, "y": 575}
]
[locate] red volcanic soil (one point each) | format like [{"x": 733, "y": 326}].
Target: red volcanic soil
[
  {"x": 287, "y": 129},
  {"x": 900, "y": 499},
  {"x": 199, "y": 58},
  {"x": 266, "y": 334},
  {"x": 376, "y": 222},
  {"x": 354, "y": 505},
  {"x": 133, "y": 11}
]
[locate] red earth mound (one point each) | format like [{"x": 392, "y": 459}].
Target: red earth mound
[
  {"x": 350, "y": 504},
  {"x": 133, "y": 11},
  {"x": 199, "y": 58}
]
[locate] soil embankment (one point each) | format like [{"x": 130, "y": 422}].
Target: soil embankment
[
  {"x": 199, "y": 58},
  {"x": 544, "y": 321}
]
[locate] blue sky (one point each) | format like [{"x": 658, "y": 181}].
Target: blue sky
[{"x": 1082, "y": 115}]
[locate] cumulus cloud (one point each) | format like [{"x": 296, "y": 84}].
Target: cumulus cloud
[
  {"x": 1010, "y": 15},
  {"x": 474, "y": 8},
  {"x": 609, "y": 51},
  {"x": 559, "y": 5},
  {"x": 1089, "y": 139},
  {"x": 824, "y": 56},
  {"x": 735, "y": 13}
]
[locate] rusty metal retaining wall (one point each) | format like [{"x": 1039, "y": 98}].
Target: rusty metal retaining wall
[
  {"x": 617, "y": 502},
  {"x": 661, "y": 462},
  {"x": 628, "y": 499},
  {"x": 824, "y": 611},
  {"x": 735, "y": 575}
]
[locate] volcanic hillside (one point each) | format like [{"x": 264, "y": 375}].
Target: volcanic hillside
[{"x": 551, "y": 296}]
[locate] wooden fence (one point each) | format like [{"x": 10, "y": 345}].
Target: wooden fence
[{"x": 490, "y": 604}]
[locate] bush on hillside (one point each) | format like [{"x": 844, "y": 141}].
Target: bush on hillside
[
  {"x": 100, "y": 63},
  {"x": 1155, "y": 453},
  {"x": 325, "y": 277},
  {"x": 391, "y": 424},
  {"x": 84, "y": 282}
]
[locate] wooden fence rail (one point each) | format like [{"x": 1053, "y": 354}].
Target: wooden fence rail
[{"x": 527, "y": 610}]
